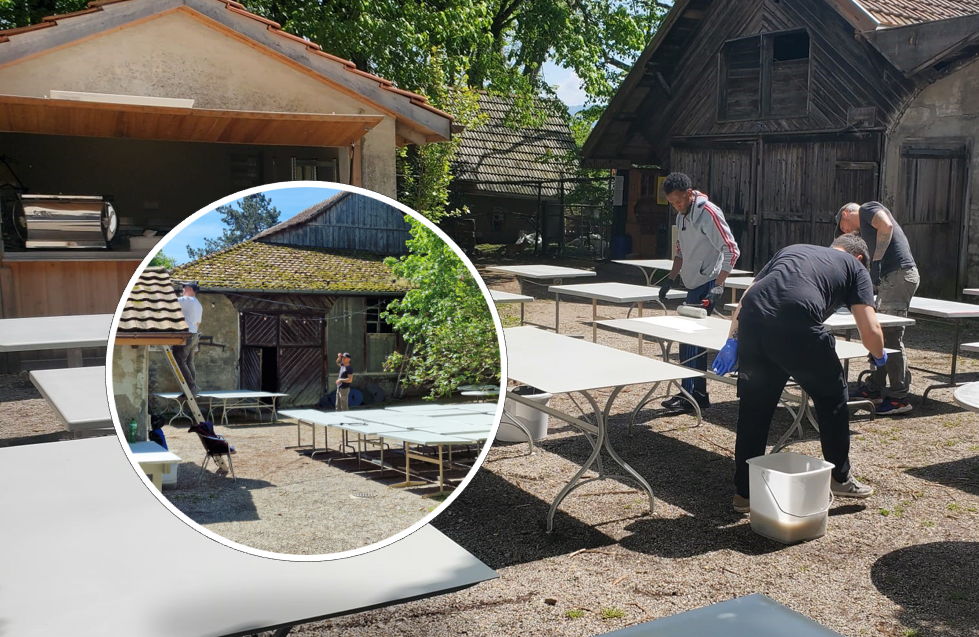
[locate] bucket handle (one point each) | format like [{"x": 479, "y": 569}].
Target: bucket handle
[{"x": 832, "y": 499}]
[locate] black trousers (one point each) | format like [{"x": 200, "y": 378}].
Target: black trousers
[{"x": 768, "y": 357}]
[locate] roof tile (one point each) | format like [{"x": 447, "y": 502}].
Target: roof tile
[
  {"x": 152, "y": 306},
  {"x": 904, "y": 12}
]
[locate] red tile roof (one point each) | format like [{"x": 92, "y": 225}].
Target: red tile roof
[
  {"x": 416, "y": 99},
  {"x": 904, "y": 12}
]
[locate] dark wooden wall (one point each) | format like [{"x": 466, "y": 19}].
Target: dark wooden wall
[{"x": 355, "y": 222}]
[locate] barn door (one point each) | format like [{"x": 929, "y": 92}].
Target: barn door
[
  {"x": 785, "y": 217},
  {"x": 931, "y": 204},
  {"x": 251, "y": 369},
  {"x": 300, "y": 359},
  {"x": 725, "y": 173}
]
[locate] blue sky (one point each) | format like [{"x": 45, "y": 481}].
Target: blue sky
[
  {"x": 289, "y": 201},
  {"x": 568, "y": 84}
]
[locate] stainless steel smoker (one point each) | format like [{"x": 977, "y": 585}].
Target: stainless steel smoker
[{"x": 64, "y": 221}]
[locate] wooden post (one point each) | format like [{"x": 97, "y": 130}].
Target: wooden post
[{"x": 357, "y": 169}]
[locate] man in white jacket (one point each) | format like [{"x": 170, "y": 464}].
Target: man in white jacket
[{"x": 706, "y": 252}]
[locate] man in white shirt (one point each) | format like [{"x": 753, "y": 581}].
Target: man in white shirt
[{"x": 193, "y": 312}]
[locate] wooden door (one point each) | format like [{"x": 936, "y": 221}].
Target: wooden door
[
  {"x": 930, "y": 207},
  {"x": 726, "y": 174},
  {"x": 785, "y": 217},
  {"x": 251, "y": 369},
  {"x": 300, "y": 359}
]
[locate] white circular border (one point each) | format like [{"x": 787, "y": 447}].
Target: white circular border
[{"x": 288, "y": 556}]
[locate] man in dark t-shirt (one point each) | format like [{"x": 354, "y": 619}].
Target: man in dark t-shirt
[
  {"x": 344, "y": 379},
  {"x": 895, "y": 276},
  {"x": 777, "y": 333}
]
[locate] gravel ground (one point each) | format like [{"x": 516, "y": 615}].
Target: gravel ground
[
  {"x": 25, "y": 416},
  {"x": 904, "y": 562},
  {"x": 285, "y": 502}
]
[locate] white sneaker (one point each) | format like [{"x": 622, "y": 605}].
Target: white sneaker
[{"x": 850, "y": 489}]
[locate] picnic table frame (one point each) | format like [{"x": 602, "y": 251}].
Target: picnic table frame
[
  {"x": 943, "y": 312},
  {"x": 502, "y": 298},
  {"x": 534, "y": 273},
  {"x": 229, "y": 399},
  {"x": 618, "y": 293},
  {"x": 548, "y": 362}
]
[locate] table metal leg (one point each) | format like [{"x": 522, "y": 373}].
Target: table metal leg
[
  {"x": 75, "y": 357},
  {"x": 796, "y": 423},
  {"x": 594, "y": 320},
  {"x": 955, "y": 360},
  {"x": 557, "y": 313},
  {"x": 522, "y": 305}
]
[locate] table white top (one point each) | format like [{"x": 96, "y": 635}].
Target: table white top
[
  {"x": 615, "y": 292},
  {"x": 434, "y": 409},
  {"x": 483, "y": 408},
  {"x": 971, "y": 291},
  {"x": 709, "y": 333},
  {"x": 663, "y": 264},
  {"x": 970, "y": 347},
  {"x": 542, "y": 271},
  {"x": 224, "y": 394},
  {"x": 751, "y": 616},
  {"x": 80, "y": 584},
  {"x": 318, "y": 417},
  {"x": 77, "y": 395},
  {"x": 430, "y": 439},
  {"x": 459, "y": 429},
  {"x": 943, "y": 309},
  {"x": 739, "y": 282},
  {"x": 967, "y": 396},
  {"x": 499, "y": 296},
  {"x": 558, "y": 364},
  {"x": 54, "y": 332},
  {"x": 843, "y": 320},
  {"x": 149, "y": 452}
]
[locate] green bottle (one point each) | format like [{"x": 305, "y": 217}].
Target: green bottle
[{"x": 132, "y": 430}]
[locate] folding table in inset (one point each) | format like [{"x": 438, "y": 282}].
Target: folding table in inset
[
  {"x": 72, "y": 333},
  {"x": 563, "y": 365},
  {"x": 87, "y": 491}
]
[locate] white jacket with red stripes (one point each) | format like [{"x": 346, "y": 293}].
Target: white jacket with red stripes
[{"x": 705, "y": 243}]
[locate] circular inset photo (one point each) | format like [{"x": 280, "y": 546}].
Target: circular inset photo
[{"x": 306, "y": 370}]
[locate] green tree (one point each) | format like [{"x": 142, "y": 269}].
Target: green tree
[
  {"x": 245, "y": 218},
  {"x": 444, "y": 318},
  {"x": 20, "y": 13},
  {"x": 163, "y": 260}
]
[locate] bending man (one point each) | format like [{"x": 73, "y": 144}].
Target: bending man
[
  {"x": 705, "y": 255},
  {"x": 778, "y": 333}
]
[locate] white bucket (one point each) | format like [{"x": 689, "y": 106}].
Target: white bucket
[
  {"x": 790, "y": 496},
  {"x": 533, "y": 419}
]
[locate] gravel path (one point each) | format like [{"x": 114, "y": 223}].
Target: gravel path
[
  {"x": 285, "y": 502},
  {"x": 25, "y": 416},
  {"x": 903, "y": 563}
]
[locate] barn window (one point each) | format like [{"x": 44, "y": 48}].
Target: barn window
[
  {"x": 764, "y": 77},
  {"x": 314, "y": 169},
  {"x": 498, "y": 221},
  {"x": 373, "y": 322}
]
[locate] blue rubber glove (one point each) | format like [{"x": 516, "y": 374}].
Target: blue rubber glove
[
  {"x": 878, "y": 362},
  {"x": 726, "y": 360},
  {"x": 664, "y": 287}
]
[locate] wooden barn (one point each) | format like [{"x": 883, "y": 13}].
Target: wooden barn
[
  {"x": 784, "y": 110},
  {"x": 280, "y": 306}
]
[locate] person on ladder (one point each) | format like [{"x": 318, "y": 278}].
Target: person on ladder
[{"x": 184, "y": 354}]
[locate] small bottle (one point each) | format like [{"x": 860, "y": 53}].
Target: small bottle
[{"x": 132, "y": 430}]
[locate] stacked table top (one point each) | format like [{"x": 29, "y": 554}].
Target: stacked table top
[{"x": 54, "y": 332}]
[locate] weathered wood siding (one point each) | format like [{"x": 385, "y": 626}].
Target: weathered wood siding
[{"x": 354, "y": 223}]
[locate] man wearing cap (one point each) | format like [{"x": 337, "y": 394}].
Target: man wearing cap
[
  {"x": 896, "y": 279},
  {"x": 344, "y": 379},
  {"x": 193, "y": 312}
]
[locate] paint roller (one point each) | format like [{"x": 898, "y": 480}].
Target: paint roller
[{"x": 693, "y": 311}]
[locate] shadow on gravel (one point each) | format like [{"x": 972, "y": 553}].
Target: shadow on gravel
[
  {"x": 959, "y": 474},
  {"x": 936, "y": 586}
]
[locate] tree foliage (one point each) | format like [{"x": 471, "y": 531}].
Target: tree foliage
[
  {"x": 444, "y": 318},
  {"x": 161, "y": 259},
  {"x": 20, "y": 13},
  {"x": 244, "y": 219}
]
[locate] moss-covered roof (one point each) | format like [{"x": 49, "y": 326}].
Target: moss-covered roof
[{"x": 254, "y": 265}]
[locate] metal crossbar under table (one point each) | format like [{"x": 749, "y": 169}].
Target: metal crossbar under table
[
  {"x": 501, "y": 298},
  {"x": 77, "y": 396},
  {"x": 649, "y": 267},
  {"x": 107, "y": 501},
  {"x": 754, "y": 615},
  {"x": 541, "y": 275},
  {"x": 618, "y": 293},
  {"x": 710, "y": 334},
  {"x": 72, "y": 333},
  {"x": 559, "y": 365},
  {"x": 944, "y": 312}
]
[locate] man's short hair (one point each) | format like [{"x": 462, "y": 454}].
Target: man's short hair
[
  {"x": 676, "y": 181},
  {"x": 850, "y": 207},
  {"x": 853, "y": 244}
]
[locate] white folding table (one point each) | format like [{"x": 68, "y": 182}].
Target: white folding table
[
  {"x": 433, "y": 410},
  {"x": 711, "y": 334},
  {"x": 619, "y": 293},
  {"x": 562, "y": 365},
  {"x": 153, "y": 459},
  {"x": 650, "y": 266},
  {"x": 754, "y": 615},
  {"x": 971, "y": 291},
  {"x": 502, "y": 298},
  {"x": 72, "y": 333},
  {"x": 967, "y": 396},
  {"x": 226, "y": 400},
  {"x": 541, "y": 275},
  {"x": 946, "y": 311},
  {"x": 77, "y": 395},
  {"x": 89, "y": 586}
]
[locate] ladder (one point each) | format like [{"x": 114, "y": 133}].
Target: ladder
[{"x": 191, "y": 401}]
